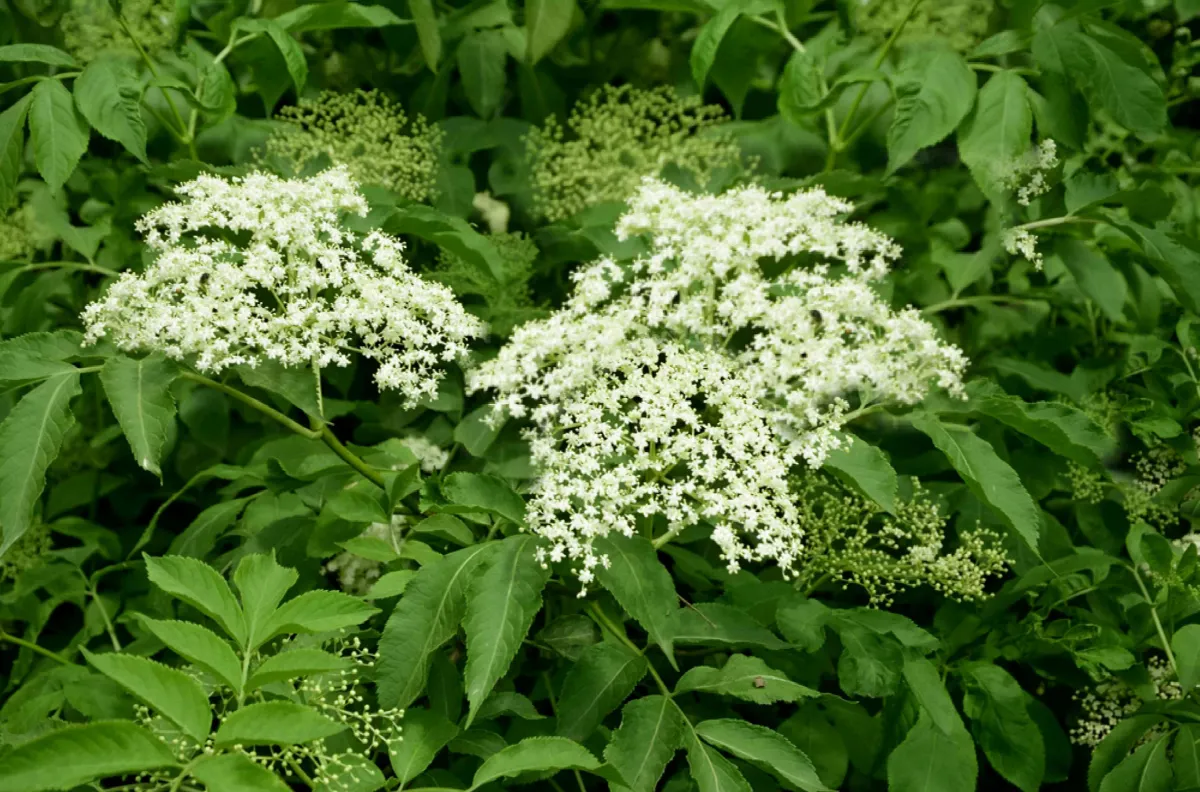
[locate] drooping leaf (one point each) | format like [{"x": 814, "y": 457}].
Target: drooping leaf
[
  {"x": 289, "y": 48},
  {"x": 58, "y": 132},
  {"x": 641, "y": 584},
  {"x": 482, "y": 58},
  {"x": 337, "y": 16},
  {"x": 546, "y": 22},
  {"x": 1185, "y": 761},
  {"x": 929, "y": 689},
  {"x": 317, "y": 612},
  {"x": 1124, "y": 90},
  {"x": 202, "y": 587},
  {"x": 425, "y": 734},
  {"x": 31, "y": 437},
  {"x": 428, "y": 35},
  {"x": 12, "y": 149},
  {"x": 1003, "y": 727},
  {"x": 765, "y": 748},
  {"x": 1147, "y": 770},
  {"x": 73, "y": 755},
  {"x": 651, "y": 732},
  {"x": 704, "y": 51},
  {"x": 535, "y": 753},
  {"x": 199, "y": 645},
  {"x": 989, "y": 477},
  {"x": 998, "y": 130},
  {"x": 929, "y": 760},
  {"x": 501, "y": 606},
  {"x": 427, "y": 615},
  {"x": 744, "y": 677},
  {"x": 713, "y": 772},
  {"x": 600, "y": 680},
  {"x": 37, "y": 53},
  {"x": 865, "y": 468},
  {"x": 169, "y": 691},
  {"x": 233, "y": 771},
  {"x": 275, "y": 723},
  {"x": 1186, "y": 645},
  {"x": 296, "y": 663},
  {"x": 1097, "y": 277},
  {"x": 715, "y": 624},
  {"x": 140, "y": 394},
  {"x": 109, "y": 96},
  {"x": 935, "y": 90},
  {"x": 1116, "y": 747}
]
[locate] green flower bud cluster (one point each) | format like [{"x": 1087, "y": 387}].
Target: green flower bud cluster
[
  {"x": 26, "y": 553},
  {"x": 21, "y": 235},
  {"x": 506, "y": 299},
  {"x": 853, "y": 541},
  {"x": 619, "y": 136},
  {"x": 960, "y": 23},
  {"x": 366, "y": 132},
  {"x": 91, "y": 27}
]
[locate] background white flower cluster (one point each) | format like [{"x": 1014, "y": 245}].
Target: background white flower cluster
[
  {"x": 264, "y": 268},
  {"x": 691, "y": 382}
]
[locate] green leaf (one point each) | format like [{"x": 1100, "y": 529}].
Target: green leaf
[
  {"x": 546, "y": 23},
  {"x": 1116, "y": 746},
  {"x": 199, "y": 585},
  {"x": 74, "y": 755},
  {"x": 715, "y": 624},
  {"x": 1064, "y": 429},
  {"x": 289, "y": 48},
  {"x": 1002, "y": 726},
  {"x": 535, "y": 754},
  {"x": 935, "y": 90},
  {"x": 929, "y": 689},
  {"x": 1175, "y": 262},
  {"x": 501, "y": 605},
  {"x": 704, "y": 51},
  {"x": 452, "y": 234},
  {"x": 428, "y": 35},
  {"x": 262, "y": 583},
  {"x": 12, "y": 148},
  {"x": 988, "y": 476},
  {"x": 37, "y": 53},
  {"x": 811, "y": 730},
  {"x": 275, "y": 723},
  {"x": 866, "y": 469},
  {"x": 1186, "y": 645},
  {"x": 747, "y": 678},
  {"x": 296, "y": 663},
  {"x": 651, "y": 731},
  {"x": 641, "y": 585},
  {"x": 391, "y": 584},
  {"x": 766, "y": 748},
  {"x": 296, "y": 385},
  {"x": 482, "y": 57},
  {"x": 802, "y": 621},
  {"x": 426, "y": 617},
  {"x": 425, "y": 734},
  {"x": 337, "y": 16},
  {"x": 236, "y": 773},
  {"x": 477, "y": 430},
  {"x": 1147, "y": 770},
  {"x": 140, "y": 394},
  {"x": 997, "y": 131},
  {"x": 31, "y": 437},
  {"x": 597, "y": 683},
  {"x": 870, "y": 663},
  {"x": 317, "y": 612},
  {"x": 1098, "y": 279},
  {"x": 109, "y": 96},
  {"x": 713, "y": 772},
  {"x": 509, "y": 703},
  {"x": 800, "y": 91},
  {"x": 58, "y": 132},
  {"x": 476, "y": 492},
  {"x": 1186, "y": 759},
  {"x": 1124, "y": 90},
  {"x": 929, "y": 760},
  {"x": 169, "y": 691},
  {"x": 199, "y": 646}
]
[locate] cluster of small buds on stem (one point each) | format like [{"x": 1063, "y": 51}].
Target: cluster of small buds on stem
[{"x": 1112, "y": 701}]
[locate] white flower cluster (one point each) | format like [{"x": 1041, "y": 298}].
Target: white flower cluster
[
  {"x": 691, "y": 382},
  {"x": 263, "y": 268},
  {"x": 1026, "y": 176}
]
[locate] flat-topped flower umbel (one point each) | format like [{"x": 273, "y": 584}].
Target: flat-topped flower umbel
[
  {"x": 689, "y": 383},
  {"x": 263, "y": 268}
]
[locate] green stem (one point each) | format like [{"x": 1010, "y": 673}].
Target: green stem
[
  {"x": 1053, "y": 221},
  {"x": 1162, "y": 634},
  {"x": 821, "y": 581},
  {"x": 349, "y": 457},
  {"x": 37, "y": 78},
  {"x": 12, "y": 639},
  {"x": 253, "y": 403},
  {"x": 838, "y": 143},
  {"x": 605, "y": 623},
  {"x": 961, "y": 302},
  {"x": 73, "y": 266}
]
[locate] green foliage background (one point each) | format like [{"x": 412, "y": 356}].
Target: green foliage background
[{"x": 132, "y": 488}]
